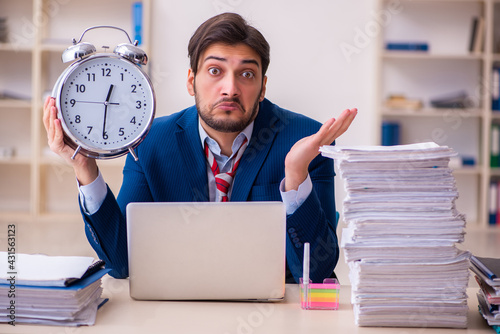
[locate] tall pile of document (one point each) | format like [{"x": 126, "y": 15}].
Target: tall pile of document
[{"x": 402, "y": 227}]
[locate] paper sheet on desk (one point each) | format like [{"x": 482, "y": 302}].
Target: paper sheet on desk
[
  {"x": 393, "y": 148},
  {"x": 407, "y": 153},
  {"x": 42, "y": 268},
  {"x": 86, "y": 316}
]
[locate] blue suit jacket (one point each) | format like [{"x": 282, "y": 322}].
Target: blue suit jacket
[{"x": 172, "y": 168}]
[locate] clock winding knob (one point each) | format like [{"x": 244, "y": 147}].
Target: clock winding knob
[
  {"x": 78, "y": 51},
  {"x": 132, "y": 53}
]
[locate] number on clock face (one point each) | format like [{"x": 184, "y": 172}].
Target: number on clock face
[{"x": 106, "y": 102}]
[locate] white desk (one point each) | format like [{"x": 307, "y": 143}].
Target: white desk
[{"x": 121, "y": 314}]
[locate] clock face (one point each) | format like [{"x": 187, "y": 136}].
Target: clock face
[{"x": 106, "y": 104}]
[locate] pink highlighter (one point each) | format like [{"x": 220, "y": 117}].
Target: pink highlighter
[{"x": 317, "y": 296}]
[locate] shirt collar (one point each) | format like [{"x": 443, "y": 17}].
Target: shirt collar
[{"x": 214, "y": 146}]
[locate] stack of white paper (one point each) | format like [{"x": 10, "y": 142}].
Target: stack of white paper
[
  {"x": 399, "y": 242},
  {"x": 50, "y": 290}
]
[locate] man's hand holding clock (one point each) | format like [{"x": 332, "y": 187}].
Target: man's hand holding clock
[{"x": 85, "y": 168}]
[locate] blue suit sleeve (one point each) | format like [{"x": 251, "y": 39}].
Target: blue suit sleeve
[
  {"x": 315, "y": 222},
  {"x": 107, "y": 234},
  {"x": 106, "y": 229}
]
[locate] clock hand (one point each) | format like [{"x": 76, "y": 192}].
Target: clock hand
[
  {"x": 104, "y": 136},
  {"x": 108, "y": 103}
]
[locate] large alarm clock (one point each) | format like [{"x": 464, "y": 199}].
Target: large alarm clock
[{"x": 105, "y": 101}]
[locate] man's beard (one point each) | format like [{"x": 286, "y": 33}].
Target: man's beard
[{"x": 226, "y": 125}]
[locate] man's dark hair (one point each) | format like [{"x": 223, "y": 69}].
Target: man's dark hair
[{"x": 230, "y": 29}]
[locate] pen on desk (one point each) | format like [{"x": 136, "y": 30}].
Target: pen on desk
[{"x": 305, "y": 274}]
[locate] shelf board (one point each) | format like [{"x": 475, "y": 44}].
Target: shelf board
[
  {"x": 25, "y": 217},
  {"x": 15, "y": 161},
  {"x": 472, "y": 170},
  {"x": 11, "y": 217},
  {"x": 430, "y": 112},
  {"x": 55, "y": 47},
  {"x": 11, "y": 103},
  {"x": 495, "y": 171},
  {"x": 420, "y": 55},
  {"x": 15, "y": 47}
]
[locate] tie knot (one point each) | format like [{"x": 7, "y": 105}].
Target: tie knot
[{"x": 223, "y": 181}]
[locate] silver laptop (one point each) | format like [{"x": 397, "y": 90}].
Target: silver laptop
[{"x": 206, "y": 251}]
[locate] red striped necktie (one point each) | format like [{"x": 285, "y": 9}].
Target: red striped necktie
[{"x": 223, "y": 181}]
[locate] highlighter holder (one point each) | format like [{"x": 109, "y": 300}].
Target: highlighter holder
[{"x": 320, "y": 296}]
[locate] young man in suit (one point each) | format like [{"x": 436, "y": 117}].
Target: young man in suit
[{"x": 269, "y": 153}]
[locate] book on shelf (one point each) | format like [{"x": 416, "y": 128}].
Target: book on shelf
[
  {"x": 473, "y": 33},
  {"x": 407, "y": 46},
  {"x": 479, "y": 39},
  {"x": 459, "y": 99},
  {"x": 495, "y": 88},
  {"x": 401, "y": 102},
  {"x": 4, "y": 31},
  {"x": 495, "y": 146},
  {"x": 390, "y": 133},
  {"x": 137, "y": 21},
  {"x": 494, "y": 202},
  {"x": 476, "y": 41},
  {"x": 462, "y": 161}
]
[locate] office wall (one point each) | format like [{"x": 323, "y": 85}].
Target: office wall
[
  {"x": 322, "y": 56},
  {"x": 308, "y": 72}
]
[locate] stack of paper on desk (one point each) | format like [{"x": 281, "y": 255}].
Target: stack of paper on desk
[
  {"x": 399, "y": 242},
  {"x": 39, "y": 289},
  {"x": 487, "y": 272}
]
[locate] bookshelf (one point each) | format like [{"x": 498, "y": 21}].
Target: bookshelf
[
  {"x": 34, "y": 184},
  {"x": 447, "y": 68}
]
